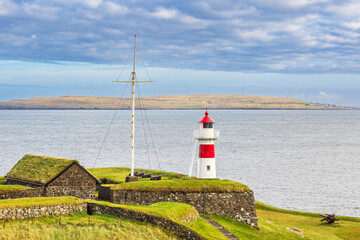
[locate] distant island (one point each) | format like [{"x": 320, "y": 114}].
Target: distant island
[{"x": 199, "y": 101}]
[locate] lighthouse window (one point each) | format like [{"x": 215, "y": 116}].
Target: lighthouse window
[
  {"x": 208, "y": 167},
  {"x": 207, "y": 125}
]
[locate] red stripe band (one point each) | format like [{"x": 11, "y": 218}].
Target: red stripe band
[{"x": 207, "y": 151}]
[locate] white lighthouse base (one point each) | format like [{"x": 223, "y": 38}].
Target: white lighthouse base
[{"x": 206, "y": 168}]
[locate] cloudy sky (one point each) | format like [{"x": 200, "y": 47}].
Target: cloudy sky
[{"x": 305, "y": 49}]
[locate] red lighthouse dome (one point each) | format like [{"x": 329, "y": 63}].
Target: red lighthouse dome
[{"x": 206, "y": 119}]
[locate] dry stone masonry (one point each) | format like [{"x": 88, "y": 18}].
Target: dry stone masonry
[
  {"x": 179, "y": 230},
  {"x": 84, "y": 192},
  {"x": 240, "y": 206},
  {"x": 40, "y": 211}
]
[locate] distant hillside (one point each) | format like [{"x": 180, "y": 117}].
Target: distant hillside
[{"x": 164, "y": 102}]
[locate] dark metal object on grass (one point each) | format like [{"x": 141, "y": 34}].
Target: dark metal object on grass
[
  {"x": 158, "y": 177},
  {"x": 329, "y": 218},
  {"x": 138, "y": 173},
  {"x": 147, "y": 175}
]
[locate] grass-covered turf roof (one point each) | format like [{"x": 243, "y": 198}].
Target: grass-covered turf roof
[
  {"x": 190, "y": 185},
  {"x": 34, "y": 168},
  {"x": 39, "y": 202}
]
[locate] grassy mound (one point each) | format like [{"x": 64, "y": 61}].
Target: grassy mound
[
  {"x": 190, "y": 185},
  {"x": 2, "y": 181},
  {"x": 118, "y": 174},
  {"x": 12, "y": 188},
  {"x": 35, "y": 168},
  {"x": 39, "y": 202},
  {"x": 177, "y": 212},
  {"x": 273, "y": 224},
  {"x": 81, "y": 226}
]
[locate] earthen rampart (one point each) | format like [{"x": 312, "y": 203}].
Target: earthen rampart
[{"x": 237, "y": 205}]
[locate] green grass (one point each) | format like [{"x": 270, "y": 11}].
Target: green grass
[
  {"x": 274, "y": 221},
  {"x": 35, "y": 168},
  {"x": 81, "y": 226},
  {"x": 2, "y": 181},
  {"x": 265, "y": 207},
  {"x": 12, "y": 188},
  {"x": 190, "y": 185},
  {"x": 176, "y": 212},
  {"x": 39, "y": 202},
  {"x": 118, "y": 174}
]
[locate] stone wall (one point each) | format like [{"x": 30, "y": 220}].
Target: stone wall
[
  {"x": 240, "y": 206},
  {"x": 39, "y": 211},
  {"x": 178, "y": 229},
  {"x": 75, "y": 191},
  {"x": 25, "y": 193}
]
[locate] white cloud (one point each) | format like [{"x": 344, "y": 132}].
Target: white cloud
[
  {"x": 257, "y": 34},
  {"x": 163, "y": 13},
  {"x": 345, "y": 9},
  {"x": 15, "y": 40},
  {"x": 173, "y": 14},
  {"x": 115, "y": 8},
  {"x": 41, "y": 11},
  {"x": 287, "y": 4},
  {"x": 6, "y": 7},
  {"x": 354, "y": 25},
  {"x": 91, "y": 3}
]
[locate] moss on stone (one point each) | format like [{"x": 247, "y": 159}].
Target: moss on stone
[
  {"x": 12, "y": 188},
  {"x": 35, "y": 168},
  {"x": 176, "y": 212},
  {"x": 39, "y": 202},
  {"x": 190, "y": 185}
]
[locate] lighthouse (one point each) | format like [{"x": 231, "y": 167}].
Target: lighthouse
[{"x": 206, "y": 136}]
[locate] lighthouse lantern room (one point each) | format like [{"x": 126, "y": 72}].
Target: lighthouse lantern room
[{"x": 206, "y": 136}]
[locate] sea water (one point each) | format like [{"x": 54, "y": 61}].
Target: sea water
[{"x": 301, "y": 160}]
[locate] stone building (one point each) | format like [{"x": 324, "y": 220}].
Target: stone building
[{"x": 58, "y": 176}]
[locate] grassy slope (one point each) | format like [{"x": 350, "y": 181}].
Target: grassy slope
[
  {"x": 38, "y": 202},
  {"x": 193, "y": 185},
  {"x": 12, "y": 188},
  {"x": 170, "y": 182},
  {"x": 176, "y": 212},
  {"x": 2, "y": 180},
  {"x": 118, "y": 174},
  {"x": 164, "y": 102},
  {"x": 35, "y": 168},
  {"x": 274, "y": 221},
  {"x": 81, "y": 226}
]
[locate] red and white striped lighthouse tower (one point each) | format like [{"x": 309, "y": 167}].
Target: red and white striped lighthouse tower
[{"x": 206, "y": 167}]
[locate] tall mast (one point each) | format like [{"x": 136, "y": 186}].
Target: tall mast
[
  {"x": 133, "y": 112},
  {"x": 133, "y": 76}
]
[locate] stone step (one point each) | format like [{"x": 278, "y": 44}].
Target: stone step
[{"x": 221, "y": 228}]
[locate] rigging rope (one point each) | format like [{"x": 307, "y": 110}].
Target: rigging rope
[
  {"x": 112, "y": 120},
  {"x": 143, "y": 125},
  {"x": 124, "y": 66},
  {"x": 116, "y": 109},
  {"x": 144, "y": 66},
  {"x": 147, "y": 122}
]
